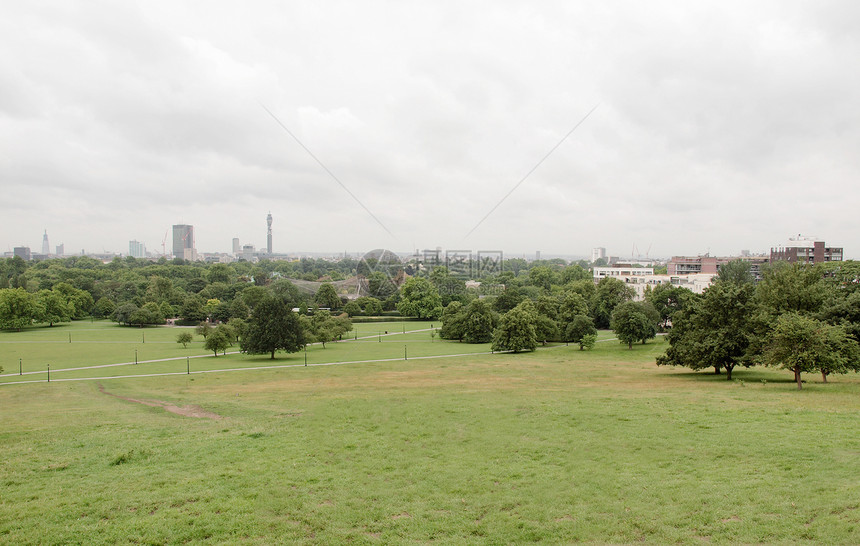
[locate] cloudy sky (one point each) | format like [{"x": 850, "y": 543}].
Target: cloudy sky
[{"x": 719, "y": 126}]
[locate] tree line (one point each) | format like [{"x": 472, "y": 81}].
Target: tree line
[{"x": 801, "y": 318}]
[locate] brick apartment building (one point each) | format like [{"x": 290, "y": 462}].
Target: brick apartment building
[
  {"x": 689, "y": 265},
  {"x": 806, "y": 250}
]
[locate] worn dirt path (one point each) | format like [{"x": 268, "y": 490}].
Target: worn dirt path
[{"x": 186, "y": 411}]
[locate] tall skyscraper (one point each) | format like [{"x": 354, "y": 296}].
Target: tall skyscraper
[
  {"x": 46, "y": 248},
  {"x": 269, "y": 233},
  {"x": 183, "y": 241},
  {"x": 136, "y": 249},
  {"x": 61, "y": 250},
  {"x": 236, "y": 248}
]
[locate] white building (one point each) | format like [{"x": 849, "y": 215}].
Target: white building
[
  {"x": 620, "y": 272},
  {"x": 696, "y": 282},
  {"x": 136, "y": 249}
]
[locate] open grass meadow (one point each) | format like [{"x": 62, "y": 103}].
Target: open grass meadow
[{"x": 558, "y": 445}]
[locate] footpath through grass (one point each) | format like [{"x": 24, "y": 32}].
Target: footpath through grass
[{"x": 558, "y": 445}]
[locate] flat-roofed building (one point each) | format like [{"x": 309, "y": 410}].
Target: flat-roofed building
[
  {"x": 706, "y": 264},
  {"x": 22, "y": 252},
  {"x": 620, "y": 272},
  {"x": 805, "y": 250},
  {"x": 136, "y": 249}
]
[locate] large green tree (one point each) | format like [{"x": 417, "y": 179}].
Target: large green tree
[
  {"x": 452, "y": 321},
  {"x": 327, "y": 297},
  {"x": 786, "y": 288},
  {"x": 516, "y": 331},
  {"x": 509, "y": 298},
  {"x": 579, "y": 327},
  {"x": 631, "y": 323},
  {"x": 543, "y": 277},
  {"x": 573, "y": 305},
  {"x": 193, "y": 309},
  {"x": 273, "y": 326},
  {"x": 104, "y": 308},
  {"x": 81, "y": 301},
  {"x": 714, "y": 331},
  {"x": 478, "y": 322},
  {"x": 801, "y": 344},
  {"x": 18, "y": 309},
  {"x": 668, "y": 300},
  {"x": 322, "y": 327},
  {"x": 124, "y": 313},
  {"x": 419, "y": 298},
  {"x": 55, "y": 307},
  {"x": 736, "y": 271},
  {"x": 609, "y": 294},
  {"x": 150, "y": 313}
]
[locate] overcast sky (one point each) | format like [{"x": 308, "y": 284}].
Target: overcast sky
[{"x": 720, "y": 126}]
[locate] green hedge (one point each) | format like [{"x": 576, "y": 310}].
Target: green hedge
[{"x": 358, "y": 319}]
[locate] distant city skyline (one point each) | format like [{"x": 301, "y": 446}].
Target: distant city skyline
[
  {"x": 713, "y": 127},
  {"x": 181, "y": 233}
]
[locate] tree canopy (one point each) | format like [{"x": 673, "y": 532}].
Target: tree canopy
[
  {"x": 273, "y": 326},
  {"x": 609, "y": 294},
  {"x": 516, "y": 331},
  {"x": 801, "y": 344},
  {"x": 419, "y": 298},
  {"x": 632, "y": 322},
  {"x": 714, "y": 331}
]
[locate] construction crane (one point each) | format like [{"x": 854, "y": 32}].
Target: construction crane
[{"x": 163, "y": 244}]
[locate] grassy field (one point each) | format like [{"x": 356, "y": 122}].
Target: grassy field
[
  {"x": 104, "y": 349},
  {"x": 558, "y": 445}
]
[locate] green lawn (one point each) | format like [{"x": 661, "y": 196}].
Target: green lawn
[
  {"x": 558, "y": 445},
  {"x": 106, "y": 344}
]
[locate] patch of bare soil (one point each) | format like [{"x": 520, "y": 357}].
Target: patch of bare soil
[{"x": 186, "y": 411}]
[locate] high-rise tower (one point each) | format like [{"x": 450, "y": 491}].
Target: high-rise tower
[
  {"x": 269, "y": 234},
  {"x": 46, "y": 248},
  {"x": 183, "y": 242},
  {"x": 136, "y": 249}
]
